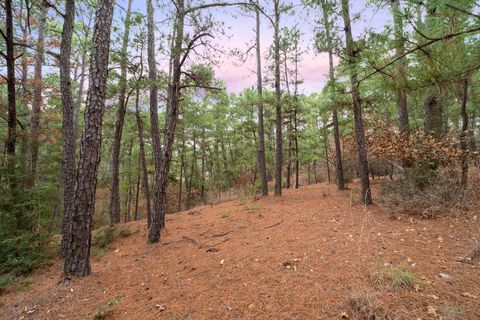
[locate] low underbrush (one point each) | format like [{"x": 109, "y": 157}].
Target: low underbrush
[{"x": 430, "y": 193}]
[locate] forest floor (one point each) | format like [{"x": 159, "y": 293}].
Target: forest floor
[{"x": 310, "y": 254}]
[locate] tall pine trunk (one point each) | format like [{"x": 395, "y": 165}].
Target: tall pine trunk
[
  {"x": 366, "y": 195},
  {"x": 336, "y": 130},
  {"x": 68, "y": 124},
  {"x": 152, "y": 76},
  {"x": 278, "y": 103},
  {"x": 10, "y": 144},
  {"x": 171, "y": 116},
  {"x": 463, "y": 133},
  {"x": 114, "y": 208},
  {"x": 37, "y": 90},
  {"x": 402, "y": 106},
  {"x": 77, "y": 260},
  {"x": 143, "y": 162},
  {"x": 262, "y": 167}
]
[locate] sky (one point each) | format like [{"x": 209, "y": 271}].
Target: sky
[{"x": 240, "y": 32}]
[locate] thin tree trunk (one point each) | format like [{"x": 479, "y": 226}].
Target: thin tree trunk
[
  {"x": 170, "y": 124},
  {"x": 81, "y": 85},
  {"x": 262, "y": 166},
  {"x": 202, "y": 189},
  {"x": 10, "y": 144},
  {"x": 192, "y": 170},
  {"x": 473, "y": 145},
  {"x": 152, "y": 75},
  {"x": 68, "y": 125},
  {"x": 336, "y": 130},
  {"x": 327, "y": 158},
  {"x": 366, "y": 195},
  {"x": 278, "y": 105},
  {"x": 137, "y": 190},
  {"x": 37, "y": 90},
  {"x": 129, "y": 179},
  {"x": 289, "y": 160},
  {"x": 182, "y": 166},
  {"x": 463, "y": 134},
  {"x": 402, "y": 106},
  {"x": 114, "y": 208},
  {"x": 141, "y": 143},
  {"x": 77, "y": 260}
]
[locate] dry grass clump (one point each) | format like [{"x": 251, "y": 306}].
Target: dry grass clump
[{"x": 365, "y": 305}]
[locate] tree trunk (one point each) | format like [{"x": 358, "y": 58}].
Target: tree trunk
[
  {"x": 202, "y": 190},
  {"x": 473, "y": 144},
  {"x": 137, "y": 191},
  {"x": 68, "y": 124},
  {"x": 433, "y": 118},
  {"x": 336, "y": 131},
  {"x": 81, "y": 83},
  {"x": 141, "y": 143},
  {"x": 152, "y": 75},
  {"x": 170, "y": 124},
  {"x": 114, "y": 208},
  {"x": 37, "y": 90},
  {"x": 366, "y": 195},
  {"x": 77, "y": 260},
  {"x": 401, "y": 93},
  {"x": 10, "y": 144},
  {"x": 327, "y": 159},
  {"x": 182, "y": 166},
  {"x": 262, "y": 167},
  {"x": 278, "y": 105},
  {"x": 463, "y": 134},
  {"x": 192, "y": 170},
  {"x": 128, "y": 201}
]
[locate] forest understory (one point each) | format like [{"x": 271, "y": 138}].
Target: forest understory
[{"x": 311, "y": 254}]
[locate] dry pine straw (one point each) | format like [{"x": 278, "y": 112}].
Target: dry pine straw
[{"x": 301, "y": 256}]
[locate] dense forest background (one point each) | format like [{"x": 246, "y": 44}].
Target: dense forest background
[{"x": 110, "y": 114}]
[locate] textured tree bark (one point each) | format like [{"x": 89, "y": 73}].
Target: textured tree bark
[
  {"x": 182, "y": 166},
  {"x": 77, "y": 260},
  {"x": 366, "y": 195},
  {"x": 114, "y": 208},
  {"x": 68, "y": 124},
  {"x": 141, "y": 143},
  {"x": 262, "y": 166},
  {"x": 128, "y": 198},
  {"x": 204, "y": 155},
  {"x": 433, "y": 116},
  {"x": 137, "y": 192},
  {"x": 152, "y": 76},
  {"x": 171, "y": 116},
  {"x": 401, "y": 93},
  {"x": 37, "y": 90},
  {"x": 327, "y": 160},
  {"x": 192, "y": 171},
  {"x": 10, "y": 144},
  {"x": 464, "y": 133},
  {"x": 336, "y": 130},
  {"x": 278, "y": 103}
]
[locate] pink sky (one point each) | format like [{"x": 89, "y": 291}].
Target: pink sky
[{"x": 313, "y": 68}]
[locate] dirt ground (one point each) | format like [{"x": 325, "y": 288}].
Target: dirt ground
[{"x": 306, "y": 255}]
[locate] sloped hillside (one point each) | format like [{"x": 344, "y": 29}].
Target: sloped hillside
[{"x": 307, "y": 255}]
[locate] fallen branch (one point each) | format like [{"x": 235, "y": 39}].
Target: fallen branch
[
  {"x": 221, "y": 234},
  {"x": 274, "y": 225}
]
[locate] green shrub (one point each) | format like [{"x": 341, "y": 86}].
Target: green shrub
[
  {"x": 125, "y": 232},
  {"x": 26, "y": 225},
  {"x": 104, "y": 237}
]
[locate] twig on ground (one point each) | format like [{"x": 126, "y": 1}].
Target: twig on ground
[{"x": 274, "y": 225}]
